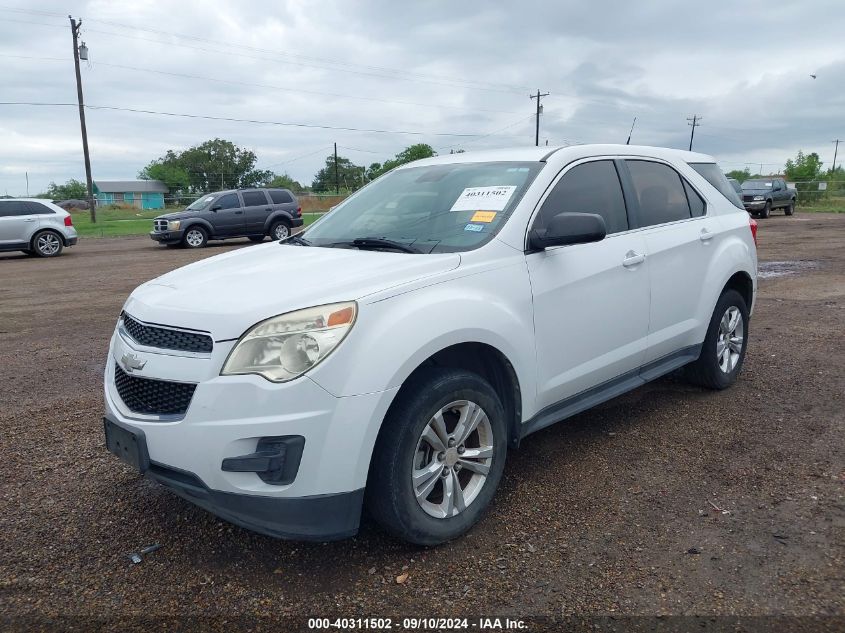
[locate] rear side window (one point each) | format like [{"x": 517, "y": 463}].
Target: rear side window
[
  {"x": 254, "y": 198},
  {"x": 660, "y": 192},
  {"x": 36, "y": 208},
  {"x": 229, "y": 201},
  {"x": 696, "y": 203},
  {"x": 280, "y": 197},
  {"x": 712, "y": 174},
  {"x": 11, "y": 208},
  {"x": 588, "y": 188}
]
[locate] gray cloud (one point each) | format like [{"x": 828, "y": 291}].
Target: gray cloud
[{"x": 423, "y": 66}]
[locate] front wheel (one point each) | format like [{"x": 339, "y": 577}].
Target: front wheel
[
  {"x": 724, "y": 346},
  {"x": 439, "y": 457},
  {"x": 195, "y": 237},
  {"x": 767, "y": 210}
]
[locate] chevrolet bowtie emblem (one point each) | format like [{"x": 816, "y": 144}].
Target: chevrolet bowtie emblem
[{"x": 132, "y": 362}]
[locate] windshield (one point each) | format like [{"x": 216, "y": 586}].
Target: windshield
[
  {"x": 439, "y": 208},
  {"x": 757, "y": 184},
  {"x": 200, "y": 203}
]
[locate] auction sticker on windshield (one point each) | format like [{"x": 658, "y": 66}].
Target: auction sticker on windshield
[{"x": 484, "y": 198}]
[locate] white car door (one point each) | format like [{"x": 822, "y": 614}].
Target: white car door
[
  {"x": 591, "y": 301},
  {"x": 680, "y": 238},
  {"x": 16, "y": 223}
]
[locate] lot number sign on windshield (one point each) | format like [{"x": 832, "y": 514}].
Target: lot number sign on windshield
[{"x": 483, "y": 198}]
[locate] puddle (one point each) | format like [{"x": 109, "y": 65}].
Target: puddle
[{"x": 767, "y": 270}]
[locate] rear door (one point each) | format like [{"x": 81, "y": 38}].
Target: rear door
[
  {"x": 257, "y": 208},
  {"x": 227, "y": 216},
  {"x": 591, "y": 301},
  {"x": 45, "y": 216},
  {"x": 17, "y": 223},
  {"x": 680, "y": 238}
]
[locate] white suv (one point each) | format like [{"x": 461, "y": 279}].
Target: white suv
[
  {"x": 391, "y": 354},
  {"x": 35, "y": 226}
]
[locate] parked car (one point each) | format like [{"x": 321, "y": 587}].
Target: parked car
[
  {"x": 433, "y": 320},
  {"x": 252, "y": 213},
  {"x": 35, "y": 226},
  {"x": 761, "y": 196}
]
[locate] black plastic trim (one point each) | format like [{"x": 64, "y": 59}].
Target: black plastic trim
[{"x": 614, "y": 387}]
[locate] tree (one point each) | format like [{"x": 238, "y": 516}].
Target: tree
[
  {"x": 286, "y": 182},
  {"x": 211, "y": 166},
  {"x": 169, "y": 171},
  {"x": 803, "y": 168},
  {"x": 740, "y": 175},
  {"x": 71, "y": 190},
  {"x": 407, "y": 155},
  {"x": 350, "y": 175}
]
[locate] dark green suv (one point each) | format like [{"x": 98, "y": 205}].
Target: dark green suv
[{"x": 252, "y": 213}]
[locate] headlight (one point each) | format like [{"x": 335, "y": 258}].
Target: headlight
[
  {"x": 759, "y": 198},
  {"x": 173, "y": 225},
  {"x": 285, "y": 347}
]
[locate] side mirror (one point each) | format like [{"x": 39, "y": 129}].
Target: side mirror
[
  {"x": 216, "y": 208},
  {"x": 569, "y": 228}
]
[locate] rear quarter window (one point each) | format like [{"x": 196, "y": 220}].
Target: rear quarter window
[
  {"x": 281, "y": 197},
  {"x": 712, "y": 174}
]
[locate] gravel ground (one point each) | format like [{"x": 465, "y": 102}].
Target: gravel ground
[{"x": 611, "y": 514}]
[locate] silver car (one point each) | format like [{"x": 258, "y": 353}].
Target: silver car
[{"x": 34, "y": 226}]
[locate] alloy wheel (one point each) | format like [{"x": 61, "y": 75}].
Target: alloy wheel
[
  {"x": 48, "y": 244},
  {"x": 194, "y": 238},
  {"x": 281, "y": 232},
  {"x": 452, "y": 459},
  {"x": 730, "y": 339}
]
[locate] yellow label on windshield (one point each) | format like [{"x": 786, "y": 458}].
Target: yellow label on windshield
[{"x": 483, "y": 216}]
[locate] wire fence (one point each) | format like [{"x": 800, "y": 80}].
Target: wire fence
[{"x": 820, "y": 193}]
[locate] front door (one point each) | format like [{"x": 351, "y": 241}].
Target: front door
[
  {"x": 227, "y": 216},
  {"x": 591, "y": 301},
  {"x": 257, "y": 208}
]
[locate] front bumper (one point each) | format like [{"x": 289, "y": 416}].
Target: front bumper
[
  {"x": 228, "y": 417},
  {"x": 758, "y": 205},
  {"x": 167, "y": 237}
]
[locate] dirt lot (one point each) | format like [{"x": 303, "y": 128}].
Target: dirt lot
[{"x": 613, "y": 513}]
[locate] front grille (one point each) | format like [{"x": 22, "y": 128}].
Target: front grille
[
  {"x": 153, "y": 397},
  {"x": 747, "y": 198},
  {"x": 167, "y": 338},
  {"x": 159, "y": 226}
]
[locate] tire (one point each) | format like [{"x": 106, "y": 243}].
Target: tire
[
  {"x": 790, "y": 208},
  {"x": 712, "y": 370},
  {"x": 256, "y": 238},
  {"x": 400, "y": 449},
  {"x": 280, "y": 230},
  {"x": 47, "y": 244},
  {"x": 767, "y": 210},
  {"x": 195, "y": 237}
]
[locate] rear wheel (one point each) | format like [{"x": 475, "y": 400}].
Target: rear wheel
[
  {"x": 280, "y": 230},
  {"x": 439, "y": 457},
  {"x": 767, "y": 210},
  {"x": 195, "y": 237},
  {"x": 724, "y": 346},
  {"x": 790, "y": 208},
  {"x": 47, "y": 244}
]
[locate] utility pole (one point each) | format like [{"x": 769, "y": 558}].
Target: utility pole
[
  {"x": 628, "y": 142},
  {"x": 336, "y": 179},
  {"x": 74, "y": 29},
  {"x": 538, "y": 96},
  {"x": 694, "y": 122},
  {"x": 835, "y": 152}
]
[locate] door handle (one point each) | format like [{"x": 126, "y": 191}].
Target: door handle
[
  {"x": 238, "y": 212},
  {"x": 29, "y": 220},
  {"x": 632, "y": 259},
  {"x": 705, "y": 235},
  {"x": 268, "y": 209}
]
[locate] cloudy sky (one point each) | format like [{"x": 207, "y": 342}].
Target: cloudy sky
[{"x": 451, "y": 74}]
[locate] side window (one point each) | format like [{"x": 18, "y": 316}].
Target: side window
[
  {"x": 254, "y": 198},
  {"x": 11, "y": 208},
  {"x": 660, "y": 192},
  {"x": 588, "y": 188},
  {"x": 36, "y": 208},
  {"x": 696, "y": 204},
  {"x": 229, "y": 201},
  {"x": 280, "y": 197}
]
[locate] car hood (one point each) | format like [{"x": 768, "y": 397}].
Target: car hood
[
  {"x": 228, "y": 293},
  {"x": 176, "y": 215}
]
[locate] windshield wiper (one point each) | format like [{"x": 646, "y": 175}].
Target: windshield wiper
[
  {"x": 296, "y": 239},
  {"x": 378, "y": 242}
]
